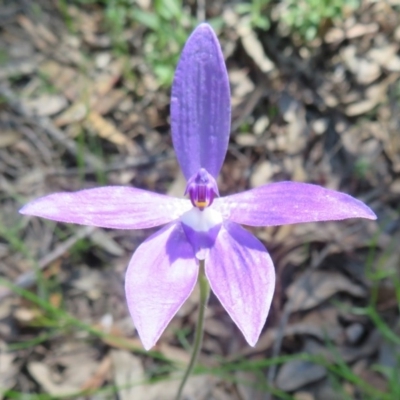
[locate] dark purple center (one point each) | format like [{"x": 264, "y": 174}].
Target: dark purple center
[{"x": 202, "y": 188}]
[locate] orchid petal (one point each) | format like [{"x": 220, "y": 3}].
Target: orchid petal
[
  {"x": 242, "y": 276},
  {"x": 290, "y": 203},
  {"x": 201, "y": 229},
  {"x": 160, "y": 277},
  {"x": 115, "y": 207},
  {"x": 201, "y": 105}
]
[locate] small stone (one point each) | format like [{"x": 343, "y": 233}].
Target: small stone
[
  {"x": 261, "y": 125},
  {"x": 102, "y": 60},
  {"x": 320, "y": 126},
  {"x": 354, "y": 332}
]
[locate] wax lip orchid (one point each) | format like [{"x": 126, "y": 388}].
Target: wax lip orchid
[{"x": 164, "y": 269}]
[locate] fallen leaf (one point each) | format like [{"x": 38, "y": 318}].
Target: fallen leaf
[
  {"x": 130, "y": 379},
  {"x": 129, "y": 375},
  {"x": 46, "y": 105},
  {"x": 253, "y": 46},
  {"x": 8, "y": 370},
  {"x": 297, "y": 373},
  {"x": 262, "y": 174},
  {"x": 311, "y": 290},
  {"x": 9, "y": 137},
  {"x": 99, "y": 376},
  {"x": 247, "y": 386},
  {"x": 75, "y": 113},
  {"x": 107, "y": 130}
]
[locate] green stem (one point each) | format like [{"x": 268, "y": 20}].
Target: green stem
[{"x": 198, "y": 338}]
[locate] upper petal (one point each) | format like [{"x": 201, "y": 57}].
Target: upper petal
[
  {"x": 160, "y": 277},
  {"x": 242, "y": 276},
  {"x": 115, "y": 207},
  {"x": 200, "y": 104},
  {"x": 290, "y": 203}
]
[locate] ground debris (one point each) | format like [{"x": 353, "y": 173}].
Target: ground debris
[{"x": 81, "y": 107}]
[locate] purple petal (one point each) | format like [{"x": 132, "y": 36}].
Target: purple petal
[
  {"x": 115, "y": 207},
  {"x": 160, "y": 277},
  {"x": 201, "y": 105},
  {"x": 290, "y": 203},
  {"x": 242, "y": 276}
]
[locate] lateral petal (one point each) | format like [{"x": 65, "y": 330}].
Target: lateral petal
[
  {"x": 290, "y": 203},
  {"x": 160, "y": 277},
  {"x": 117, "y": 207},
  {"x": 242, "y": 276},
  {"x": 200, "y": 104}
]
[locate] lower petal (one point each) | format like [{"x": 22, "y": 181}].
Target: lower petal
[
  {"x": 201, "y": 228},
  {"x": 242, "y": 276},
  {"x": 160, "y": 277}
]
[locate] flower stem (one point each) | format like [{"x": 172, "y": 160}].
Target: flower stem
[{"x": 198, "y": 338}]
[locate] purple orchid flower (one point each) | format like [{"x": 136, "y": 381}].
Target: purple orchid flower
[{"x": 163, "y": 271}]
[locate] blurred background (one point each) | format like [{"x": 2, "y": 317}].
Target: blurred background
[{"x": 84, "y": 101}]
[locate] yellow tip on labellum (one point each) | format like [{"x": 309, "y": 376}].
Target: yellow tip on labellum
[{"x": 201, "y": 204}]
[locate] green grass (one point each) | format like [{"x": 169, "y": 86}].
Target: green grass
[
  {"x": 169, "y": 23},
  {"x": 307, "y": 17}
]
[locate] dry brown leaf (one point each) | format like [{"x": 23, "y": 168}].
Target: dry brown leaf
[
  {"x": 106, "y": 242},
  {"x": 8, "y": 370},
  {"x": 311, "y": 290},
  {"x": 114, "y": 337},
  {"x": 33, "y": 32},
  {"x": 44, "y": 376},
  {"x": 374, "y": 95},
  {"x": 217, "y": 328},
  {"x": 106, "y": 81},
  {"x": 129, "y": 375},
  {"x": 297, "y": 373},
  {"x": 174, "y": 353},
  {"x": 75, "y": 113},
  {"x": 78, "y": 367},
  {"x": 246, "y": 140},
  {"x": 358, "y": 30},
  {"x": 9, "y": 137},
  {"x": 105, "y": 104},
  {"x": 375, "y": 379},
  {"x": 63, "y": 78},
  {"x": 348, "y": 353},
  {"x": 386, "y": 57},
  {"x": 25, "y": 316},
  {"x": 241, "y": 84},
  {"x": 99, "y": 376},
  {"x": 130, "y": 379},
  {"x": 107, "y": 130},
  {"x": 321, "y": 324},
  {"x": 334, "y": 34},
  {"x": 247, "y": 386},
  {"x": 365, "y": 70},
  {"x": 197, "y": 387},
  {"x": 304, "y": 396},
  {"x": 253, "y": 46},
  {"x": 46, "y": 105}
]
